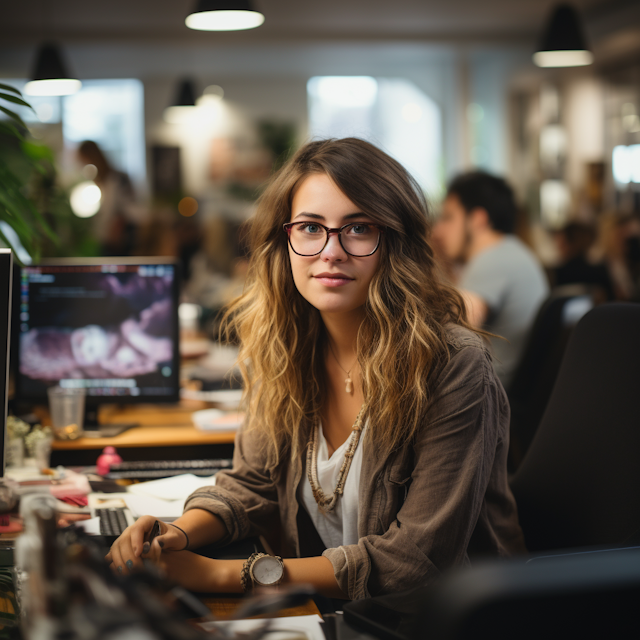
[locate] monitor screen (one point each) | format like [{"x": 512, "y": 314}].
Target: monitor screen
[
  {"x": 109, "y": 325},
  {"x": 6, "y": 263}
]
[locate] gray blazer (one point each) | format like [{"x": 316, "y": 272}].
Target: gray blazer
[{"x": 436, "y": 502}]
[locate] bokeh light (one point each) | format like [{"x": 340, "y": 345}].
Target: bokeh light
[{"x": 187, "y": 206}]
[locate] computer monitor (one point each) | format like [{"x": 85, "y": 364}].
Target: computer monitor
[
  {"x": 108, "y": 325},
  {"x": 6, "y": 267}
]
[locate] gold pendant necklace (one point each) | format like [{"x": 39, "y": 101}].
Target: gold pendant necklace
[{"x": 348, "y": 383}]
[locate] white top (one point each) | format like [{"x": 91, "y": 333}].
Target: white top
[{"x": 340, "y": 526}]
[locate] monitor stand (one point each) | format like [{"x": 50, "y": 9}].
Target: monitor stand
[{"x": 93, "y": 429}]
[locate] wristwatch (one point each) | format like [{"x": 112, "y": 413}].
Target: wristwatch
[{"x": 266, "y": 570}]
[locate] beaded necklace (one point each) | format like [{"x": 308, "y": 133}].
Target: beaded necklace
[{"x": 328, "y": 503}]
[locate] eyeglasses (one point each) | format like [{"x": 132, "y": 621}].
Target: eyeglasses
[{"x": 358, "y": 239}]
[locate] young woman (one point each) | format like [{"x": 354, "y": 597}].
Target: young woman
[{"x": 374, "y": 450}]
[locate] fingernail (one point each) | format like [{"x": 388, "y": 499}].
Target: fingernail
[
  {"x": 145, "y": 547},
  {"x": 161, "y": 543},
  {"x": 129, "y": 564},
  {"x": 119, "y": 569}
]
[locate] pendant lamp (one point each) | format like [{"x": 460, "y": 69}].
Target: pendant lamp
[
  {"x": 184, "y": 104},
  {"x": 50, "y": 76},
  {"x": 563, "y": 43},
  {"x": 224, "y": 15}
]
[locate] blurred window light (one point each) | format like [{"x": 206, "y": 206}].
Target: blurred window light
[
  {"x": 555, "y": 201},
  {"x": 563, "y": 58},
  {"x": 479, "y": 156},
  {"x": 411, "y": 112},
  {"x": 85, "y": 199},
  {"x": 111, "y": 113},
  {"x": 391, "y": 113},
  {"x": 344, "y": 91},
  {"x": 625, "y": 163},
  {"x": 634, "y": 155},
  {"x": 475, "y": 112}
]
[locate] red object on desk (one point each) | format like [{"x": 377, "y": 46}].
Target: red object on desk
[
  {"x": 108, "y": 457},
  {"x": 13, "y": 524}
]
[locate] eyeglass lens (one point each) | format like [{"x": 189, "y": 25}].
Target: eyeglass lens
[{"x": 308, "y": 238}]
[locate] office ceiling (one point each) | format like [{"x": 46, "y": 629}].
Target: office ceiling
[
  {"x": 149, "y": 37},
  {"x": 289, "y": 19}
]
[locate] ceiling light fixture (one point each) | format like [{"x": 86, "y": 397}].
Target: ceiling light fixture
[
  {"x": 224, "y": 15},
  {"x": 563, "y": 43},
  {"x": 184, "y": 104},
  {"x": 51, "y": 77}
]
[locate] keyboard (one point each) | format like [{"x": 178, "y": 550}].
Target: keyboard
[
  {"x": 113, "y": 520},
  {"x": 154, "y": 469}
]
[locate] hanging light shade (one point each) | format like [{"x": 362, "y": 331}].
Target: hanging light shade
[
  {"x": 224, "y": 15},
  {"x": 563, "y": 43},
  {"x": 50, "y": 76},
  {"x": 184, "y": 103}
]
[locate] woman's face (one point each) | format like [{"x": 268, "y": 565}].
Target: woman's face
[{"x": 333, "y": 281}]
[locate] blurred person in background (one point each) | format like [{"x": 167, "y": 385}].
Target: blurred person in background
[
  {"x": 618, "y": 247},
  {"x": 574, "y": 241},
  {"x": 113, "y": 226},
  {"x": 501, "y": 280}
]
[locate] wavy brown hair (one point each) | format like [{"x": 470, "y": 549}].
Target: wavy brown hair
[{"x": 402, "y": 340}]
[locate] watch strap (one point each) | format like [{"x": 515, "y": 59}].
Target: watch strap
[{"x": 245, "y": 575}]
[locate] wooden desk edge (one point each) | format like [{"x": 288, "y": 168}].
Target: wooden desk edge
[{"x": 149, "y": 436}]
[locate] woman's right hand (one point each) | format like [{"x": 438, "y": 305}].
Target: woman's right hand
[{"x": 127, "y": 551}]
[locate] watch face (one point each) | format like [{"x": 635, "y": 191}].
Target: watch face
[{"x": 267, "y": 570}]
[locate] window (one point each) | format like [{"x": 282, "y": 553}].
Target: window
[{"x": 392, "y": 113}]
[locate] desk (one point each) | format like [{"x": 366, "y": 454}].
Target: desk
[
  {"x": 165, "y": 433},
  {"x": 224, "y": 607}
]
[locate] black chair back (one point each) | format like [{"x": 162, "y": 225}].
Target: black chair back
[
  {"x": 579, "y": 484},
  {"x": 536, "y": 373}
]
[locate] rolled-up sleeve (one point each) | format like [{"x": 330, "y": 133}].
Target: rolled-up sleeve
[
  {"x": 245, "y": 498},
  {"x": 452, "y": 469}
]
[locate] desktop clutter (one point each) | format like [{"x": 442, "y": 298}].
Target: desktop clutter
[
  {"x": 66, "y": 590},
  {"x": 52, "y": 545}
]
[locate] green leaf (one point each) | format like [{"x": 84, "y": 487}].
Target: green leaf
[
  {"x": 38, "y": 152},
  {"x": 8, "y": 87},
  {"x": 9, "y": 98},
  {"x": 10, "y": 130},
  {"x": 14, "y": 116}
]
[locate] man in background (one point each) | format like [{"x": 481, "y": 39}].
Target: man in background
[{"x": 500, "y": 279}]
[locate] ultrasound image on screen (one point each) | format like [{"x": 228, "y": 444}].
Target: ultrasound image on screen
[{"x": 112, "y": 333}]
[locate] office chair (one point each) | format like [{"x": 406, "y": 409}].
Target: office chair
[
  {"x": 533, "y": 379},
  {"x": 573, "y": 596},
  {"x": 579, "y": 482}
]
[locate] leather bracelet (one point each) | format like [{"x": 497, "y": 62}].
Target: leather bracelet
[
  {"x": 245, "y": 575},
  {"x": 185, "y": 535}
]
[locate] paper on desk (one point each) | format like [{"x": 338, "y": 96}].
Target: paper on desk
[
  {"x": 308, "y": 626},
  {"x": 166, "y": 510},
  {"x": 91, "y": 526},
  {"x": 173, "y": 488}
]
